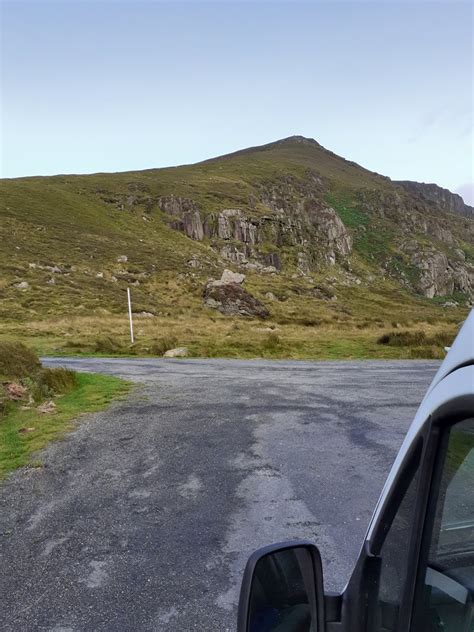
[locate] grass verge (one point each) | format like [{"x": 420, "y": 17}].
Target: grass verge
[{"x": 23, "y": 432}]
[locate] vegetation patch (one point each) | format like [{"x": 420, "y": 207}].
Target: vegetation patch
[
  {"x": 351, "y": 215},
  {"x": 162, "y": 345},
  {"x": 23, "y": 432},
  {"x": 415, "y": 338},
  {"x": 107, "y": 345},
  {"x": 271, "y": 343},
  {"x": 37, "y": 404},
  {"x": 17, "y": 360}
]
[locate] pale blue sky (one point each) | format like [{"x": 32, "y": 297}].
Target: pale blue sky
[{"x": 112, "y": 86}]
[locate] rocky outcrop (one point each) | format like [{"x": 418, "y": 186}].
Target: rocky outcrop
[
  {"x": 306, "y": 223},
  {"x": 334, "y": 240},
  {"x": 438, "y": 197},
  {"x": 185, "y": 215},
  {"x": 440, "y": 276},
  {"x": 289, "y": 215}
]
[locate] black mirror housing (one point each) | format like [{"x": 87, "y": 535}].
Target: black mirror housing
[{"x": 282, "y": 590}]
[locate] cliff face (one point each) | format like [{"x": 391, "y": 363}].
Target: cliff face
[
  {"x": 407, "y": 233},
  {"x": 440, "y": 198},
  {"x": 288, "y": 222}
]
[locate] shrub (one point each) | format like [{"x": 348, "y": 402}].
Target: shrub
[
  {"x": 17, "y": 360},
  {"x": 309, "y": 322},
  {"x": 324, "y": 292},
  {"x": 271, "y": 342},
  {"x": 160, "y": 346},
  {"x": 403, "y": 338},
  {"x": 416, "y": 339},
  {"x": 428, "y": 353},
  {"x": 442, "y": 338},
  {"x": 107, "y": 344},
  {"x": 58, "y": 380}
]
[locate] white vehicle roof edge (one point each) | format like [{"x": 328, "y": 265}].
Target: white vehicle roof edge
[
  {"x": 460, "y": 353},
  {"x": 459, "y": 383}
]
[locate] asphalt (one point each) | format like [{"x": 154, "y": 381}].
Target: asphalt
[{"x": 143, "y": 517}]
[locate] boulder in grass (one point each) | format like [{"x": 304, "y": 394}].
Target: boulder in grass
[
  {"x": 232, "y": 277},
  {"x": 23, "y": 285},
  {"x": 179, "y": 352}
]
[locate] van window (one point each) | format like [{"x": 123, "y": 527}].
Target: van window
[{"x": 446, "y": 601}]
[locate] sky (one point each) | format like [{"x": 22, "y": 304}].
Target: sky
[{"x": 121, "y": 85}]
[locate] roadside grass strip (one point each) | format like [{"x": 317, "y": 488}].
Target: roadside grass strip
[{"x": 25, "y": 430}]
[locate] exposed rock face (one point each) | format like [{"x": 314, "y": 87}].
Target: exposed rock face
[
  {"x": 290, "y": 216},
  {"x": 185, "y": 215},
  {"x": 231, "y": 299},
  {"x": 242, "y": 236},
  {"x": 435, "y": 277},
  {"x": 437, "y": 196},
  {"x": 334, "y": 238},
  {"x": 441, "y": 277}
]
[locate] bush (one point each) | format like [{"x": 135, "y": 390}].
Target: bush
[
  {"x": 415, "y": 339},
  {"x": 160, "y": 346},
  {"x": 428, "y": 353},
  {"x": 17, "y": 361},
  {"x": 442, "y": 338},
  {"x": 58, "y": 380},
  {"x": 271, "y": 342},
  {"x": 403, "y": 338},
  {"x": 107, "y": 344},
  {"x": 324, "y": 292}
]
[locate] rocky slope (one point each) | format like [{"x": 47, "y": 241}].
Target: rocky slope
[
  {"x": 437, "y": 196},
  {"x": 291, "y": 210}
]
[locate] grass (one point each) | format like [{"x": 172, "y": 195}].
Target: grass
[
  {"x": 342, "y": 322},
  {"x": 24, "y": 432}
]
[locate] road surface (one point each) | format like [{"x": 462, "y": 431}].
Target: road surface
[{"x": 143, "y": 517}]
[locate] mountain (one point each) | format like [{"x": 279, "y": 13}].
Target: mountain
[{"x": 316, "y": 233}]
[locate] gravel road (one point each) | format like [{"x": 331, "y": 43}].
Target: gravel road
[{"x": 143, "y": 517}]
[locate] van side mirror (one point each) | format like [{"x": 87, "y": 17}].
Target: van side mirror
[{"x": 282, "y": 590}]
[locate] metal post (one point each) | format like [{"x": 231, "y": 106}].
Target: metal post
[{"x": 130, "y": 314}]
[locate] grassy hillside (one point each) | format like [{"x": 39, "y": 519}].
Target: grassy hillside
[{"x": 72, "y": 244}]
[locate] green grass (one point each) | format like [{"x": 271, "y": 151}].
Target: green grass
[
  {"x": 24, "y": 432},
  {"x": 348, "y": 211}
]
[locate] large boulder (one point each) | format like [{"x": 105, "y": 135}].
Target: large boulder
[
  {"x": 179, "y": 352},
  {"x": 232, "y": 277},
  {"x": 232, "y": 300}
]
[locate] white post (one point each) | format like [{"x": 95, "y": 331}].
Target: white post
[{"x": 130, "y": 314}]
